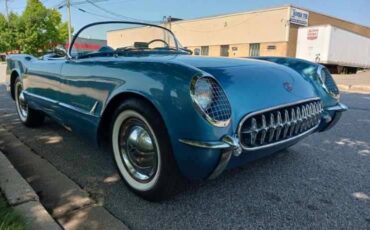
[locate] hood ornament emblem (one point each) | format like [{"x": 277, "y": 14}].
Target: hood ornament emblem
[{"x": 287, "y": 86}]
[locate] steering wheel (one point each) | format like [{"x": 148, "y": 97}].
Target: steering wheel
[{"x": 158, "y": 40}]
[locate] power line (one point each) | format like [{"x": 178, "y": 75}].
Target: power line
[
  {"x": 118, "y": 15},
  {"x": 93, "y": 13},
  {"x": 63, "y": 3}
]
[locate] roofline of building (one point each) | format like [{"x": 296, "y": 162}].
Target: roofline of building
[
  {"x": 264, "y": 10},
  {"x": 331, "y": 16},
  {"x": 231, "y": 14}
]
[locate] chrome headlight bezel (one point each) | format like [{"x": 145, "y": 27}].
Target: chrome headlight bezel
[
  {"x": 217, "y": 93},
  {"x": 322, "y": 80}
]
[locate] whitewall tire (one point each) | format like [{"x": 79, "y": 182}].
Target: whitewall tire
[{"x": 142, "y": 151}]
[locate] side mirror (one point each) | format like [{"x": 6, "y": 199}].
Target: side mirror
[{"x": 60, "y": 51}]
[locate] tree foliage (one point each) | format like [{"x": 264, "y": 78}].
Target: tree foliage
[
  {"x": 37, "y": 30},
  {"x": 9, "y": 32}
]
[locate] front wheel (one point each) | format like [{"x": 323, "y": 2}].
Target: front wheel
[
  {"x": 27, "y": 115},
  {"x": 142, "y": 151}
]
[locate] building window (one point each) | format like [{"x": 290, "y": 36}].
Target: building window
[
  {"x": 204, "y": 50},
  {"x": 271, "y": 47},
  {"x": 254, "y": 49},
  {"x": 197, "y": 51},
  {"x": 224, "y": 50}
]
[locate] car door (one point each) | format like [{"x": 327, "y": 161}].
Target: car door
[
  {"x": 86, "y": 85},
  {"x": 42, "y": 80}
]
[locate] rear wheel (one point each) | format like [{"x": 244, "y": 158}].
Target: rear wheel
[
  {"x": 142, "y": 151},
  {"x": 28, "y": 116}
]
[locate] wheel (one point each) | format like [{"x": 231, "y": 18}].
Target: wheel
[
  {"x": 142, "y": 151},
  {"x": 28, "y": 116}
]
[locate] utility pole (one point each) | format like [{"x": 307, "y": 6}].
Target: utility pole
[
  {"x": 6, "y": 10},
  {"x": 68, "y": 6},
  {"x": 164, "y": 25}
]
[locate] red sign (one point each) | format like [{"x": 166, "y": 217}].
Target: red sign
[
  {"x": 312, "y": 34},
  {"x": 85, "y": 46}
]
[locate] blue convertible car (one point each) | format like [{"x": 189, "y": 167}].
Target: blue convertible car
[{"x": 166, "y": 114}]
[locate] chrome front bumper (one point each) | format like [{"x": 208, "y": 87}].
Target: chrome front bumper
[
  {"x": 229, "y": 145},
  {"x": 331, "y": 116},
  {"x": 338, "y": 108}
]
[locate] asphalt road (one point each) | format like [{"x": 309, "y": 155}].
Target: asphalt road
[{"x": 321, "y": 183}]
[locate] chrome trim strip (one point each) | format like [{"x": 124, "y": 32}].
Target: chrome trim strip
[
  {"x": 227, "y": 142},
  {"x": 92, "y": 111},
  {"x": 338, "y": 108},
  {"x": 222, "y": 164},
  {"x": 76, "y": 109},
  {"x": 59, "y": 103},
  {"x": 41, "y": 97},
  {"x": 270, "y": 109},
  {"x": 206, "y": 144}
]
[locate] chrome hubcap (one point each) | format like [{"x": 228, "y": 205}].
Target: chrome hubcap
[
  {"x": 138, "y": 150},
  {"x": 21, "y": 102}
]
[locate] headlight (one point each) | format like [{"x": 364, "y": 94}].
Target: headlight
[
  {"x": 203, "y": 93},
  {"x": 322, "y": 76},
  {"x": 327, "y": 82},
  {"x": 211, "y": 101}
]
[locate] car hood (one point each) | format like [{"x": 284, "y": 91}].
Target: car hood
[{"x": 253, "y": 85}]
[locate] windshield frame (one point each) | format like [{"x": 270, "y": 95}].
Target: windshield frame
[{"x": 69, "y": 53}]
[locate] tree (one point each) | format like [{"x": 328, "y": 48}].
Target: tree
[
  {"x": 40, "y": 29},
  {"x": 9, "y": 33}
]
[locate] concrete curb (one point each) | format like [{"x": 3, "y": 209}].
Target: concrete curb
[
  {"x": 23, "y": 198},
  {"x": 70, "y": 205},
  {"x": 354, "y": 88}
]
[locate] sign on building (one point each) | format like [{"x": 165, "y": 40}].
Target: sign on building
[
  {"x": 312, "y": 34},
  {"x": 299, "y": 17}
]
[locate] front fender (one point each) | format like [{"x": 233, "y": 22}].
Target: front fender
[
  {"x": 168, "y": 91},
  {"x": 15, "y": 66}
]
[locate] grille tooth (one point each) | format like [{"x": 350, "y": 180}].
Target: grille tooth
[
  {"x": 286, "y": 122},
  {"x": 318, "y": 111},
  {"x": 272, "y": 127},
  {"x": 313, "y": 115},
  {"x": 280, "y": 124},
  {"x": 263, "y": 129},
  {"x": 299, "y": 120},
  {"x": 310, "y": 115},
  {"x": 294, "y": 122},
  {"x": 253, "y": 133},
  {"x": 304, "y": 118}
]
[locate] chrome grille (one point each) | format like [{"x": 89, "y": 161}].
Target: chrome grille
[
  {"x": 273, "y": 126},
  {"x": 220, "y": 109}
]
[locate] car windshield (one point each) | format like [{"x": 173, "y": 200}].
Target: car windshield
[{"x": 115, "y": 38}]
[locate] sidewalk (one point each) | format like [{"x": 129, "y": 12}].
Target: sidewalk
[
  {"x": 353, "y": 82},
  {"x": 68, "y": 204},
  {"x": 23, "y": 198}
]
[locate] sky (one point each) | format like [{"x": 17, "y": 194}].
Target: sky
[{"x": 153, "y": 10}]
